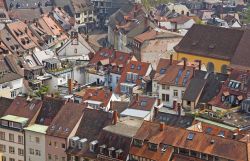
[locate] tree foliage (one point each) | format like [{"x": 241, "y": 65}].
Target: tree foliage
[{"x": 43, "y": 90}]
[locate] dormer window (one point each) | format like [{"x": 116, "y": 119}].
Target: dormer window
[
  {"x": 93, "y": 145},
  {"x": 153, "y": 146},
  {"x": 137, "y": 143},
  {"x": 111, "y": 152},
  {"x": 222, "y": 98},
  {"x": 118, "y": 153},
  {"x": 102, "y": 148}
]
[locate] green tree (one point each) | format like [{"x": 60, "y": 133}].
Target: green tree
[{"x": 43, "y": 90}]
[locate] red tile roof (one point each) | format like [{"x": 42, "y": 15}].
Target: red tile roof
[
  {"x": 143, "y": 103},
  {"x": 23, "y": 108},
  {"x": 199, "y": 142},
  {"x": 22, "y": 34},
  {"x": 96, "y": 94},
  {"x": 115, "y": 58},
  {"x": 140, "y": 68},
  {"x": 176, "y": 75}
]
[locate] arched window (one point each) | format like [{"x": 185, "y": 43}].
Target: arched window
[
  {"x": 224, "y": 69},
  {"x": 210, "y": 67}
]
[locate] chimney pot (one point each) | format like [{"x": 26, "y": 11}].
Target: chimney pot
[
  {"x": 184, "y": 64},
  {"x": 70, "y": 86},
  {"x": 171, "y": 59},
  {"x": 115, "y": 117},
  {"x": 162, "y": 126}
]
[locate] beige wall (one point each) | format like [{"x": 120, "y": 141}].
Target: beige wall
[
  {"x": 14, "y": 144},
  {"x": 31, "y": 143}
]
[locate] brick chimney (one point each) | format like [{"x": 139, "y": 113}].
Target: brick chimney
[
  {"x": 115, "y": 117},
  {"x": 171, "y": 59},
  {"x": 184, "y": 63},
  {"x": 162, "y": 126},
  {"x": 70, "y": 86}
]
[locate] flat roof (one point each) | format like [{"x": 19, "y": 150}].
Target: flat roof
[
  {"x": 13, "y": 118},
  {"x": 135, "y": 113},
  {"x": 37, "y": 128},
  {"x": 216, "y": 123}
]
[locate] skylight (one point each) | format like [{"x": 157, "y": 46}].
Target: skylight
[{"x": 190, "y": 136}]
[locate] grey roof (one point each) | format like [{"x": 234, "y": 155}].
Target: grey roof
[
  {"x": 210, "y": 41},
  {"x": 52, "y": 60},
  {"x": 9, "y": 76},
  {"x": 212, "y": 87},
  {"x": 194, "y": 89},
  {"x": 174, "y": 120}
]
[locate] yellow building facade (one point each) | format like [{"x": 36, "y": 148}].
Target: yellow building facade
[{"x": 216, "y": 65}]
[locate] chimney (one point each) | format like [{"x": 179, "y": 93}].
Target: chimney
[
  {"x": 184, "y": 64},
  {"x": 70, "y": 86},
  {"x": 235, "y": 136},
  {"x": 111, "y": 105},
  {"x": 171, "y": 59},
  {"x": 162, "y": 125},
  {"x": 158, "y": 102},
  {"x": 193, "y": 72},
  {"x": 137, "y": 97},
  {"x": 115, "y": 117},
  {"x": 179, "y": 109},
  {"x": 199, "y": 64},
  {"x": 175, "y": 26}
]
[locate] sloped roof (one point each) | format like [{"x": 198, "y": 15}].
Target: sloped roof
[
  {"x": 65, "y": 120},
  {"x": 210, "y": 41}
]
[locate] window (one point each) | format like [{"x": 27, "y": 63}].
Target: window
[
  {"x": 20, "y": 152},
  {"x": 2, "y": 148},
  {"x": 11, "y": 150},
  {"x": 11, "y": 137},
  {"x": 77, "y": 15},
  {"x": 189, "y": 103},
  {"x": 31, "y": 151},
  {"x": 182, "y": 94},
  {"x": 12, "y": 159},
  {"x": 63, "y": 159},
  {"x": 56, "y": 157},
  {"x": 20, "y": 139},
  {"x": 55, "y": 144},
  {"x": 165, "y": 97},
  {"x": 50, "y": 143},
  {"x": 38, "y": 153},
  {"x": 13, "y": 94},
  {"x": 137, "y": 143},
  {"x": 49, "y": 156},
  {"x": 75, "y": 50},
  {"x": 3, "y": 158},
  {"x": 153, "y": 147},
  {"x": 63, "y": 146},
  {"x": 175, "y": 93},
  {"x": 164, "y": 86},
  {"x": 37, "y": 140},
  {"x": 2, "y": 135}
]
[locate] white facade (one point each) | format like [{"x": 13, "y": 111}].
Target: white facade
[
  {"x": 59, "y": 79},
  {"x": 171, "y": 26},
  {"x": 35, "y": 142},
  {"x": 12, "y": 88},
  {"x": 171, "y": 93}
]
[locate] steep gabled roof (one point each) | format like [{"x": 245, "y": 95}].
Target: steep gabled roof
[{"x": 210, "y": 41}]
